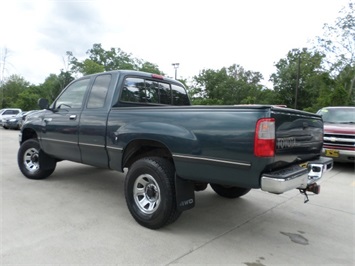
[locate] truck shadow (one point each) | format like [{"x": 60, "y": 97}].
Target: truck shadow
[
  {"x": 346, "y": 167},
  {"x": 106, "y": 187},
  {"x": 90, "y": 179}
]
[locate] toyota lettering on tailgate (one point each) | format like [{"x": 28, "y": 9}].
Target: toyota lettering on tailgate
[{"x": 285, "y": 143}]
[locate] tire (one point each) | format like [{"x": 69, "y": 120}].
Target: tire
[
  {"x": 34, "y": 163},
  {"x": 150, "y": 192},
  {"x": 229, "y": 191}
]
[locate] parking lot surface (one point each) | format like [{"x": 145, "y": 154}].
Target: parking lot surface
[{"x": 78, "y": 216}]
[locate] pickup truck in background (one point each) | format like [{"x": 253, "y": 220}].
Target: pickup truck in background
[
  {"x": 339, "y": 133},
  {"x": 144, "y": 123}
]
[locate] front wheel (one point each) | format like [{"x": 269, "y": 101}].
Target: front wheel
[
  {"x": 34, "y": 163},
  {"x": 150, "y": 192},
  {"x": 229, "y": 191}
]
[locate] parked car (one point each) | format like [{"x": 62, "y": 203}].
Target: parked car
[
  {"x": 339, "y": 132},
  {"x": 25, "y": 115},
  {"x": 17, "y": 121},
  {"x": 13, "y": 122},
  {"x": 8, "y": 113}
]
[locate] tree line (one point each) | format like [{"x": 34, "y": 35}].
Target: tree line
[{"x": 306, "y": 79}]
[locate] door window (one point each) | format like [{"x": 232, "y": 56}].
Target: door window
[{"x": 73, "y": 96}]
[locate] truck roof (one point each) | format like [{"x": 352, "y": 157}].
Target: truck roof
[{"x": 138, "y": 73}]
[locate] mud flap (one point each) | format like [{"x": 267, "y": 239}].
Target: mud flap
[
  {"x": 46, "y": 162},
  {"x": 185, "y": 194}
]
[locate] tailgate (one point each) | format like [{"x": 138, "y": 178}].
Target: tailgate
[{"x": 299, "y": 136}]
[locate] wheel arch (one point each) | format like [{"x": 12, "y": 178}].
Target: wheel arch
[
  {"x": 137, "y": 149},
  {"x": 28, "y": 133}
]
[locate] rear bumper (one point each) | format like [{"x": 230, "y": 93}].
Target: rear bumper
[{"x": 296, "y": 176}]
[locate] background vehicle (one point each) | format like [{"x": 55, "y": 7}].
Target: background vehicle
[
  {"x": 339, "y": 133},
  {"x": 26, "y": 115},
  {"x": 14, "y": 122},
  {"x": 144, "y": 122},
  {"x": 17, "y": 121},
  {"x": 8, "y": 113}
]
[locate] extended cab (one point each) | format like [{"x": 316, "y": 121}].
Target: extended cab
[{"x": 144, "y": 123}]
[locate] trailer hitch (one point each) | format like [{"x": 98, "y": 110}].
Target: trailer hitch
[{"x": 314, "y": 188}]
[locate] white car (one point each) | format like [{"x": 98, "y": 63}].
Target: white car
[{"x": 8, "y": 113}]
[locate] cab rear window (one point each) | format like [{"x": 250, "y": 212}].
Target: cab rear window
[{"x": 138, "y": 90}]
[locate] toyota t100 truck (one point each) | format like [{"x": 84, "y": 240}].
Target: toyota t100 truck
[{"x": 144, "y": 123}]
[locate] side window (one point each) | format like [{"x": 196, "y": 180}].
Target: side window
[
  {"x": 179, "y": 95},
  {"x": 11, "y": 112},
  {"x": 165, "y": 93},
  {"x": 139, "y": 90},
  {"x": 134, "y": 90},
  {"x": 99, "y": 92},
  {"x": 73, "y": 96}
]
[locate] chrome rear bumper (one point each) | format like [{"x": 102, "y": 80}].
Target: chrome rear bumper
[{"x": 296, "y": 176}]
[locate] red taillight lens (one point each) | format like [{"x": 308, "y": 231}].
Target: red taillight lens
[
  {"x": 264, "y": 141},
  {"x": 156, "y": 76}
]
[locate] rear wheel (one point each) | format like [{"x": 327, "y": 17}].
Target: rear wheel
[
  {"x": 31, "y": 161},
  {"x": 229, "y": 191},
  {"x": 150, "y": 192}
]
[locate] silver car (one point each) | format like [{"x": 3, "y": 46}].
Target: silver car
[{"x": 8, "y": 113}]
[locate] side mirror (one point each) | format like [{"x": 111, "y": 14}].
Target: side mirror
[{"x": 43, "y": 103}]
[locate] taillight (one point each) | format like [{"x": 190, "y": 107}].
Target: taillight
[{"x": 264, "y": 141}]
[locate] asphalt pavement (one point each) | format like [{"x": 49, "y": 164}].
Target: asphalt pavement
[{"x": 78, "y": 216}]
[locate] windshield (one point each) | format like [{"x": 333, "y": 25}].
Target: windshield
[{"x": 338, "y": 115}]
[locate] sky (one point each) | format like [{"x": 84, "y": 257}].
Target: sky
[{"x": 209, "y": 34}]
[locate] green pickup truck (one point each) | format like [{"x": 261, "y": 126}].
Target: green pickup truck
[{"x": 144, "y": 123}]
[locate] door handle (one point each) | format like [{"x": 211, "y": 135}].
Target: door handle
[{"x": 72, "y": 117}]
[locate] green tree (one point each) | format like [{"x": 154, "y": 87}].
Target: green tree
[
  {"x": 112, "y": 59},
  {"x": 10, "y": 89},
  {"x": 17, "y": 92},
  {"x": 105, "y": 60},
  {"x": 338, "y": 44},
  {"x": 232, "y": 85},
  {"x": 54, "y": 84},
  {"x": 90, "y": 67},
  {"x": 299, "y": 78},
  {"x": 28, "y": 99},
  {"x": 148, "y": 67}
]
